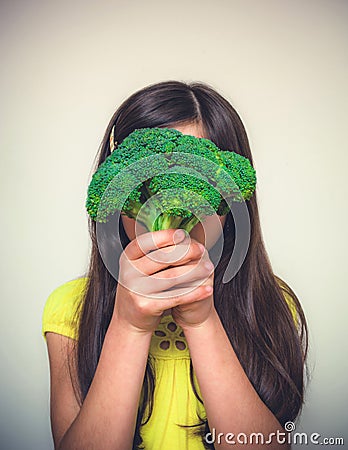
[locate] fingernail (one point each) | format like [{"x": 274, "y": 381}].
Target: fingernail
[
  {"x": 178, "y": 236},
  {"x": 201, "y": 247}
]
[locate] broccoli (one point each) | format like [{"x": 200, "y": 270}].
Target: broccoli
[{"x": 165, "y": 179}]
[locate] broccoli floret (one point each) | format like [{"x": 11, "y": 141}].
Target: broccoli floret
[
  {"x": 166, "y": 179},
  {"x": 184, "y": 199}
]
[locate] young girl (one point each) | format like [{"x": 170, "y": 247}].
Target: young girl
[{"x": 188, "y": 371}]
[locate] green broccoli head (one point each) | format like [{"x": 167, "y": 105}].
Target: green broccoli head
[{"x": 166, "y": 179}]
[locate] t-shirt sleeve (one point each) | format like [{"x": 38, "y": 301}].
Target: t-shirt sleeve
[{"x": 60, "y": 314}]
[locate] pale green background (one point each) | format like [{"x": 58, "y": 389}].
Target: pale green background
[{"x": 65, "y": 68}]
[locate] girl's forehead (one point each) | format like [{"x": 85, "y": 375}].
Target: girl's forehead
[{"x": 193, "y": 129}]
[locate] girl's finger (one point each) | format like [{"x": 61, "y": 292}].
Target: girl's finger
[
  {"x": 184, "y": 296},
  {"x": 154, "y": 240},
  {"x": 198, "y": 282},
  {"x": 180, "y": 275},
  {"x": 180, "y": 254}
]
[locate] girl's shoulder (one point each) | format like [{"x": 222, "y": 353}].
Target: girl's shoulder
[
  {"x": 291, "y": 305},
  {"x": 60, "y": 314},
  {"x": 289, "y": 297}
]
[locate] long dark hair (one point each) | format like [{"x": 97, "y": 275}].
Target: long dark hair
[{"x": 252, "y": 307}]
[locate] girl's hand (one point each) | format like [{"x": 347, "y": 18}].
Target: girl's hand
[
  {"x": 158, "y": 272},
  {"x": 197, "y": 312}
]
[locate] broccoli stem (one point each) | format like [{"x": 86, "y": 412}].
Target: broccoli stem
[
  {"x": 153, "y": 222},
  {"x": 165, "y": 221},
  {"x": 188, "y": 224}
]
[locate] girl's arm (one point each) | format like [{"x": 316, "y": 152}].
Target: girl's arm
[
  {"x": 231, "y": 402},
  {"x": 107, "y": 417}
]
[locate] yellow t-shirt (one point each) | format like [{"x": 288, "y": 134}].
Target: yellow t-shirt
[{"x": 174, "y": 400}]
